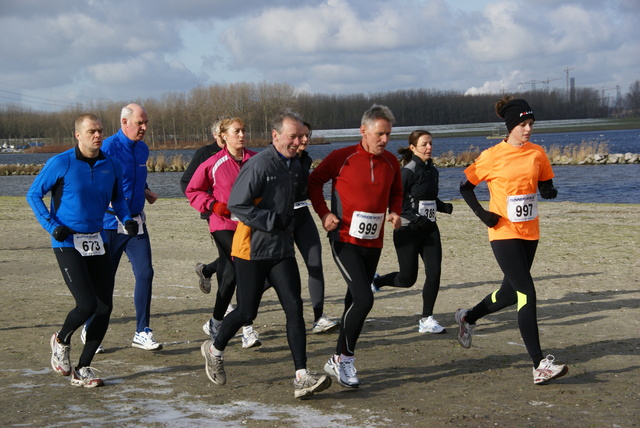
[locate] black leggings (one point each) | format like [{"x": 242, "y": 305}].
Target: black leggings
[
  {"x": 358, "y": 266},
  {"x": 411, "y": 242},
  {"x": 225, "y": 273},
  {"x": 515, "y": 257},
  {"x": 307, "y": 240},
  {"x": 90, "y": 281},
  {"x": 285, "y": 277}
]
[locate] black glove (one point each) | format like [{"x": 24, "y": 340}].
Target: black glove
[
  {"x": 547, "y": 190},
  {"x": 448, "y": 208},
  {"x": 61, "y": 233},
  {"x": 131, "y": 226},
  {"x": 466, "y": 190},
  {"x": 488, "y": 217},
  {"x": 282, "y": 221},
  {"x": 423, "y": 222}
]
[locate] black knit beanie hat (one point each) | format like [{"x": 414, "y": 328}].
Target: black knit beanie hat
[{"x": 515, "y": 112}]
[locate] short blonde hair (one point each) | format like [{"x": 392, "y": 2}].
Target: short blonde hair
[{"x": 80, "y": 120}]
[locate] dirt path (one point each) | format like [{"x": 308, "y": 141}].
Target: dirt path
[{"x": 586, "y": 274}]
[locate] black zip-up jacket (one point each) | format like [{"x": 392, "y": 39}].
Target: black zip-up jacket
[{"x": 420, "y": 181}]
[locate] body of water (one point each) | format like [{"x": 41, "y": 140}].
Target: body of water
[
  {"x": 615, "y": 184},
  {"x": 588, "y": 183},
  {"x": 624, "y": 141}
]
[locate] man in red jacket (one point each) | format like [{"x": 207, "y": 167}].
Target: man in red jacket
[{"x": 366, "y": 182}]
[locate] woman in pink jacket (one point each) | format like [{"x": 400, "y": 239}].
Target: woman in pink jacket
[{"x": 208, "y": 192}]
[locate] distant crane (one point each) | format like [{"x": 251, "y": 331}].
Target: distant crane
[
  {"x": 545, "y": 84},
  {"x": 605, "y": 99},
  {"x": 530, "y": 82},
  {"x": 567, "y": 70}
]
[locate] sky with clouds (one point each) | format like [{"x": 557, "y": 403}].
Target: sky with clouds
[{"x": 56, "y": 53}]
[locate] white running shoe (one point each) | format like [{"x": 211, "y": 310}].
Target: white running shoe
[
  {"x": 344, "y": 371},
  {"x": 547, "y": 370},
  {"x": 430, "y": 325},
  {"x": 465, "y": 330},
  {"x": 309, "y": 384},
  {"x": 323, "y": 324},
  {"x": 203, "y": 282},
  {"x": 250, "y": 338},
  {"x": 144, "y": 340},
  {"x": 213, "y": 365},
  {"x": 83, "y": 338},
  {"x": 85, "y": 377},
  {"x": 206, "y": 327},
  {"x": 210, "y": 330},
  {"x": 60, "y": 361}
]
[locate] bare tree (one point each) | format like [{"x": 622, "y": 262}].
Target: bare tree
[
  {"x": 179, "y": 117},
  {"x": 632, "y": 100}
]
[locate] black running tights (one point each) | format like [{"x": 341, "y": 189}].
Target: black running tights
[
  {"x": 515, "y": 257},
  {"x": 285, "y": 277},
  {"x": 358, "y": 266},
  {"x": 411, "y": 243},
  {"x": 90, "y": 281}
]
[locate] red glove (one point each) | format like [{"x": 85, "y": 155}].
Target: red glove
[{"x": 220, "y": 208}]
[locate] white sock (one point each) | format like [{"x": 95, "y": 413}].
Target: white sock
[
  {"x": 300, "y": 373},
  {"x": 215, "y": 352},
  {"x": 247, "y": 329},
  {"x": 215, "y": 322},
  {"x": 345, "y": 357}
]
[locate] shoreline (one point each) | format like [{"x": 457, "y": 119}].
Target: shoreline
[
  {"x": 586, "y": 153},
  {"x": 17, "y": 199},
  {"x": 603, "y": 124},
  {"x": 458, "y": 130},
  {"x": 8, "y": 170}
]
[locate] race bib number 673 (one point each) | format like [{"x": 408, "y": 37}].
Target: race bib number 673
[
  {"x": 88, "y": 244},
  {"x": 366, "y": 225}
]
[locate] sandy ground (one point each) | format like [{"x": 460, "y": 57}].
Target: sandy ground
[{"x": 586, "y": 276}]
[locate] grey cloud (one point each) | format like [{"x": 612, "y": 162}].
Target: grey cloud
[{"x": 148, "y": 47}]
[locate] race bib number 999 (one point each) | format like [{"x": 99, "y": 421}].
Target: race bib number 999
[
  {"x": 522, "y": 207},
  {"x": 88, "y": 244},
  {"x": 366, "y": 225}
]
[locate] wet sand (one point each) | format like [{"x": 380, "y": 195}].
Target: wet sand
[{"x": 586, "y": 274}]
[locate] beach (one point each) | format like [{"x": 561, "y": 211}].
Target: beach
[{"x": 586, "y": 273}]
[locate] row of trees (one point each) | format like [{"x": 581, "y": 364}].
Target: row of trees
[{"x": 176, "y": 118}]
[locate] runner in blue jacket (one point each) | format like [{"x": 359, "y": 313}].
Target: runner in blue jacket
[
  {"x": 83, "y": 182},
  {"x": 128, "y": 148}
]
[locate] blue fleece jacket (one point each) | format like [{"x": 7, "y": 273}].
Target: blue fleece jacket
[
  {"x": 133, "y": 157},
  {"x": 80, "y": 194}
]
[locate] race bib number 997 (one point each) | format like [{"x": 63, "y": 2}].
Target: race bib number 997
[
  {"x": 522, "y": 207},
  {"x": 366, "y": 225}
]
